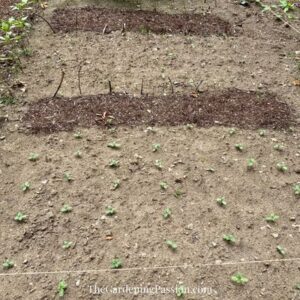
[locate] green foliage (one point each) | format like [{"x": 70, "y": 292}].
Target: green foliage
[
  {"x": 272, "y": 218},
  {"x": 110, "y": 211},
  {"x": 20, "y": 217},
  {"x": 61, "y": 288},
  {"x": 221, "y": 201},
  {"x": 25, "y": 186},
  {"x": 116, "y": 263},
  {"x": 296, "y": 189},
  {"x": 229, "y": 238},
  {"x": 66, "y": 209},
  {"x": 239, "y": 279},
  {"x": 171, "y": 244},
  {"x": 8, "y": 264},
  {"x": 167, "y": 213}
]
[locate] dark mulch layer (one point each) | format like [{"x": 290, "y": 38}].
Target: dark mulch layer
[
  {"x": 248, "y": 110},
  {"x": 95, "y": 19}
]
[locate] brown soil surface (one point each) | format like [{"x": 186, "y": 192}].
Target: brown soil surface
[
  {"x": 249, "y": 110},
  {"x": 95, "y": 19},
  {"x": 5, "y": 10},
  {"x": 202, "y": 163}
]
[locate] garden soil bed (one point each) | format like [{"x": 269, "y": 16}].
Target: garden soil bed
[
  {"x": 96, "y": 19},
  {"x": 232, "y": 107}
]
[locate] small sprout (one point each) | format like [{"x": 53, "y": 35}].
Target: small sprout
[
  {"x": 239, "y": 147},
  {"x": 113, "y": 163},
  {"x": 25, "y": 186},
  {"x": 297, "y": 286},
  {"x": 8, "y": 264},
  {"x": 62, "y": 286},
  {"x": 155, "y": 147},
  {"x": 239, "y": 278},
  {"x": 158, "y": 164},
  {"x": 78, "y": 135},
  {"x": 114, "y": 145},
  {"x": 33, "y": 157},
  {"x": 221, "y": 201},
  {"x": 20, "y": 217},
  {"x": 178, "y": 193},
  {"x": 163, "y": 185},
  {"x": 211, "y": 170},
  {"x": 171, "y": 244},
  {"x": 78, "y": 154},
  {"x": 251, "y": 163},
  {"x": 189, "y": 126},
  {"x": 68, "y": 177},
  {"x": 262, "y": 132},
  {"x": 116, "y": 263},
  {"x": 232, "y": 131},
  {"x": 281, "y": 250},
  {"x": 229, "y": 238},
  {"x": 278, "y": 147},
  {"x": 67, "y": 244},
  {"x": 66, "y": 209},
  {"x": 180, "y": 291},
  {"x": 272, "y": 218},
  {"x": 110, "y": 211},
  {"x": 116, "y": 184},
  {"x": 296, "y": 189},
  {"x": 282, "y": 167},
  {"x": 167, "y": 213}
]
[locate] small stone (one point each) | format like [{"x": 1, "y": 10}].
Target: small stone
[{"x": 275, "y": 235}]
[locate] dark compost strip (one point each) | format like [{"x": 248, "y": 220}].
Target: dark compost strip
[
  {"x": 248, "y": 110},
  {"x": 96, "y": 19}
]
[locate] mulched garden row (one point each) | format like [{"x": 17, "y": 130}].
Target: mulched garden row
[
  {"x": 97, "y": 19},
  {"x": 232, "y": 107}
]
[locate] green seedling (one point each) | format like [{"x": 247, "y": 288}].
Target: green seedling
[
  {"x": 297, "y": 286},
  {"x": 262, "y": 132},
  {"x": 287, "y": 6},
  {"x": 78, "y": 154},
  {"x": 211, "y": 170},
  {"x": 25, "y": 186},
  {"x": 114, "y": 145},
  {"x": 113, "y": 163},
  {"x": 239, "y": 279},
  {"x": 171, "y": 244},
  {"x": 110, "y": 211},
  {"x": 278, "y": 147},
  {"x": 8, "y": 264},
  {"x": 7, "y": 100},
  {"x": 68, "y": 177},
  {"x": 281, "y": 250},
  {"x": 158, "y": 164},
  {"x": 78, "y": 135},
  {"x": 189, "y": 126},
  {"x": 167, "y": 213},
  {"x": 155, "y": 147},
  {"x": 251, "y": 163},
  {"x": 229, "y": 238},
  {"x": 282, "y": 167},
  {"x": 20, "y": 217},
  {"x": 163, "y": 185},
  {"x": 221, "y": 201},
  {"x": 116, "y": 184},
  {"x": 272, "y": 218},
  {"x": 66, "y": 209},
  {"x": 33, "y": 157},
  {"x": 180, "y": 291},
  {"x": 239, "y": 147},
  {"x": 296, "y": 189},
  {"x": 62, "y": 286},
  {"x": 67, "y": 244},
  {"x": 178, "y": 193},
  {"x": 232, "y": 131},
  {"x": 116, "y": 263}
]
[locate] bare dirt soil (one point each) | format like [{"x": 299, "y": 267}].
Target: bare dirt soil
[{"x": 196, "y": 165}]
